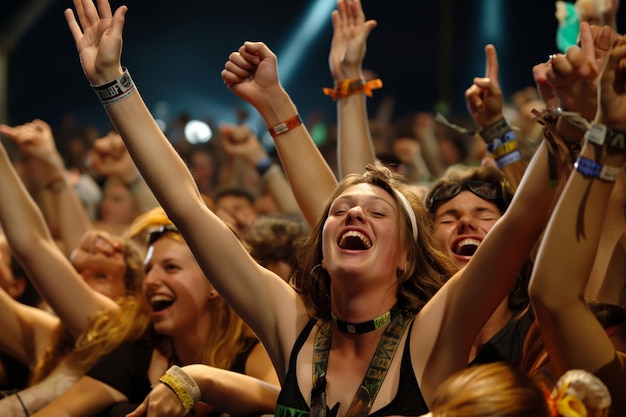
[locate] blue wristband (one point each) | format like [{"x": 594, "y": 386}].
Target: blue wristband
[
  {"x": 592, "y": 169},
  {"x": 497, "y": 142},
  {"x": 508, "y": 159},
  {"x": 264, "y": 165}
]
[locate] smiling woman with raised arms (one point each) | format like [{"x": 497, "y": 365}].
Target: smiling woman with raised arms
[{"x": 370, "y": 274}]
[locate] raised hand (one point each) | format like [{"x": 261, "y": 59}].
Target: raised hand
[
  {"x": 613, "y": 89},
  {"x": 350, "y": 33},
  {"x": 545, "y": 89},
  {"x": 252, "y": 73},
  {"x": 573, "y": 76},
  {"x": 34, "y": 139},
  {"x": 241, "y": 141},
  {"x": 109, "y": 156},
  {"x": 98, "y": 38},
  {"x": 484, "y": 97}
]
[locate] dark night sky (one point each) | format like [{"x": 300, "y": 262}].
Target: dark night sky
[{"x": 176, "y": 50}]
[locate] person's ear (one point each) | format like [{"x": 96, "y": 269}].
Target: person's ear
[{"x": 16, "y": 288}]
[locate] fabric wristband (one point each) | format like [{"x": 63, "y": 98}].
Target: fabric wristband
[
  {"x": 499, "y": 141},
  {"x": 117, "y": 90},
  {"x": 505, "y": 149},
  {"x": 285, "y": 126},
  {"x": 183, "y": 386},
  {"x": 495, "y": 130},
  {"x": 592, "y": 169},
  {"x": 348, "y": 87},
  {"x": 599, "y": 134},
  {"x": 508, "y": 159}
]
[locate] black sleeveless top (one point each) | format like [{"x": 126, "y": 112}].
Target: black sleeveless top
[
  {"x": 407, "y": 402},
  {"x": 508, "y": 343}
]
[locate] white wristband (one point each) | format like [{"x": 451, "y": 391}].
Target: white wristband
[{"x": 116, "y": 90}]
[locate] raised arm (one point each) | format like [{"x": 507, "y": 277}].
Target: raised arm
[
  {"x": 499, "y": 258},
  {"x": 446, "y": 328},
  {"x": 454, "y": 316},
  {"x": 573, "y": 336},
  {"x": 241, "y": 141},
  {"x": 49, "y": 269},
  {"x": 485, "y": 104},
  {"x": 110, "y": 158},
  {"x": 26, "y": 331},
  {"x": 35, "y": 140},
  {"x": 251, "y": 74},
  {"x": 347, "y": 50},
  {"x": 238, "y": 278}
]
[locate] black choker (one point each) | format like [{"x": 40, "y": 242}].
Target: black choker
[{"x": 366, "y": 326}]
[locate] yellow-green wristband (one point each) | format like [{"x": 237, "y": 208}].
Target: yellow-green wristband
[{"x": 183, "y": 386}]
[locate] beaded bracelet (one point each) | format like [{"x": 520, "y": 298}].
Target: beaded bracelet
[
  {"x": 285, "y": 126},
  {"x": 117, "y": 90},
  {"x": 183, "y": 386},
  {"x": 592, "y": 169},
  {"x": 348, "y": 87}
]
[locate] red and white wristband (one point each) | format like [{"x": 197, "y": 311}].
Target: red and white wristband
[
  {"x": 116, "y": 90},
  {"x": 285, "y": 126}
]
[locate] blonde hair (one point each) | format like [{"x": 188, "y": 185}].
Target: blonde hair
[
  {"x": 64, "y": 343},
  {"x": 228, "y": 335},
  {"x": 495, "y": 389}
]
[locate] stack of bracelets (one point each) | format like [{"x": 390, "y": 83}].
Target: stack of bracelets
[
  {"x": 501, "y": 143},
  {"x": 183, "y": 386},
  {"x": 599, "y": 134}
]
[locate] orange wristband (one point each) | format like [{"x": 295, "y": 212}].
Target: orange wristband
[
  {"x": 285, "y": 126},
  {"x": 348, "y": 87}
]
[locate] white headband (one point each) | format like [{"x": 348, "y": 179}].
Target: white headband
[{"x": 409, "y": 211}]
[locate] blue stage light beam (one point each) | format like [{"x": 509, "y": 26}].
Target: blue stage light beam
[{"x": 290, "y": 56}]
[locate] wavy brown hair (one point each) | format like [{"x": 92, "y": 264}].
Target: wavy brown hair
[{"x": 427, "y": 269}]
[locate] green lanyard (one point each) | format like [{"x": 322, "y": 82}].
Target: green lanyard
[{"x": 374, "y": 377}]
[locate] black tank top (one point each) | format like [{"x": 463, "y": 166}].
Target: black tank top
[{"x": 407, "y": 402}]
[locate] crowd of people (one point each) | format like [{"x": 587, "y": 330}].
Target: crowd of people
[{"x": 416, "y": 268}]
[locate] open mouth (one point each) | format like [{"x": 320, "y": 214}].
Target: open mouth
[
  {"x": 160, "y": 302},
  {"x": 466, "y": 247},
  {"x": 354, "y": 240}
]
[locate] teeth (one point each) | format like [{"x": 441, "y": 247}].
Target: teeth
[
  {"x": 160, "y": 302},
  {"x": 353, "y": 233},
  {"x": 466, "y": 242},
  {"x": 159, "y": 298},
  {"x": 467, "y": 247}
]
